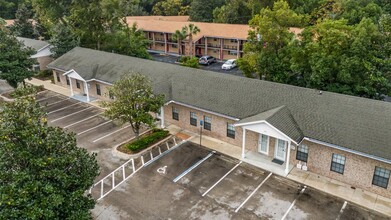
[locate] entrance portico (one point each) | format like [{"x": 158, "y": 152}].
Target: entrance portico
[
  {"x": 266, "y": 143},
  {"x": 71, "y": 76}
]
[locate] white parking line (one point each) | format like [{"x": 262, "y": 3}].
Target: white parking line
[
  {"x": 57, "y": 110},
  {"x": 259, "y": 186},
  {"x": 341, "y": 211},
  {"x": 293, "y": 203},
  {"x": 74, "y": 113},
  {"x": 81, "y": 121},
  {"x": 57, "y": 102},
  {"x": 192, "y": 167},
  {"x": 90, "y": 129},
  {"x": 233, "y": 168},
  {"x": 40, "y": 100},
  {"x": 110, "y": 134}
]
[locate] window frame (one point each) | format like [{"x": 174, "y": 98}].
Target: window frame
[
  {"x": 335, "y": 166},
  {"x": 175, "y": 113},
  {"x": 68, "y": 81},
  {"x": 207, "y": 123},
  {"x": 78, "y": 84},
  {"x": 267, "y": 144},
  {"x": 300, "y": 154},
  {"x": 98, "y": 89},
  {"x": 58, "y": 77},
  {"x": 231, "y": 133},
  {"x": 193, "y": 119},
  {"x": 377, "y": 178}
]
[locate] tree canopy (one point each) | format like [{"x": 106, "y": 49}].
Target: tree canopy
[
  {"x": 134, "y": 101},
  {"x": 43, "y": 174},
  {"x": 15, "y": 62}
]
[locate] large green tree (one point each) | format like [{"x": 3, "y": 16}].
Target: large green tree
[
  {"x": 15, "y": 59},
  {"x": 267, "y": 52},
  {"x": 170, "y": 8},
  {"x": 62, "y": 40},
  {"x": 134, "y": 101},
  {"x": 202, "y": 10},
  {"x": 23, "y": 25},
  {"x": 43, "y": 174},
  {"x": 8, "y": 8}
]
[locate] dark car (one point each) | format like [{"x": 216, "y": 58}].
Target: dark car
[{"x": 206, "y": 60}]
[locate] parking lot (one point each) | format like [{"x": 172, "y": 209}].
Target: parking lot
[
  {"x": 215, "y": 67},
  {"x": 191, "y": 182},
  {"x": 93, "y": 131},
  {"x": 188, "y": 181}
]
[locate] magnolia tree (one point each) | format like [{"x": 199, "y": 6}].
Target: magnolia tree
[
  {"x": 134, "y": 101},
  {"x": 43, "y": 174}
]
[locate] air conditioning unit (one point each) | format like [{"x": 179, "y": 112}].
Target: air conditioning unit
[{"x": 304, "y": 167}]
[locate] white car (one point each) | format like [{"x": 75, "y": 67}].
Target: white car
[{"x": 229, "y": 64}]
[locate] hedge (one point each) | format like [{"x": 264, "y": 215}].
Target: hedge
[{"x": 148, "y": 140}]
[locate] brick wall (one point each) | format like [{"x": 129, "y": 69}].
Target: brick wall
[{"x": 44, "y": 61}]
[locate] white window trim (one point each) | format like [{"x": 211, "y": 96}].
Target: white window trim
[{"x": 267, "y": 144}]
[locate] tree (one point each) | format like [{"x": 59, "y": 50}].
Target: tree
[
  {"x": 268, "y": 49},
  {"x": 14, "y": 59},
  {"x": 52, "y": 11},
  {"x": 202, "y": 10},
  {"x": 23, "y": 26},
  {"x": 134, "y": 101},
  {"x": 62, "y": 40},
  {"x": 170, "y": 8},
  {"x": 236, "y": 12},
  {"x": 8, "y": 8},
  {"x": 43, "y": 174},
  {"x": 129, "y": 41},
  {"x": 179, "y": 36},
  {"x": 189, "y": 32}
]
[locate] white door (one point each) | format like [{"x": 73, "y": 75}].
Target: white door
[
  {"x": 263, "y": 144},
  {"x": 280, "y": 149}
]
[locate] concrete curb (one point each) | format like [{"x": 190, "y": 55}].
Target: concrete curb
[{"x": 126, "y": 156}]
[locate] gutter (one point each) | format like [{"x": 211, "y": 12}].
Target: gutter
[{"x": 348, "y": 150}]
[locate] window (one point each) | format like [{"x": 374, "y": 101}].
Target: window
[
  {"x": 68, "y": 82},
  {"x": 234, "y": 40},
  {"x": 230, "y": 130},
  {"x": 175, "y": 113},
  {"x": 193, "y": 118},
  {"x": 174, "y": 46},
  {"x": 263, "y": 144},
  {"x": 338, "y": 163},
  {"x": 58, "y": 77},
  {"x": 232, "y": 52},
  {"x": 207, "y": 123},
  {"x": 302, "y": 153},
  {"x": 77, "y": 84},
  {"x": 111, "y": 96},
  {"x": 381, "y": 177},
  {"x": 214, "y": 39},
  {"x": 98, "y": 91}
]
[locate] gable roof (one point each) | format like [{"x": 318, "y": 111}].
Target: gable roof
[
  {"x": 37, "y": 45},
  {"x": 354, "y": 123},
  {"x": 280, "y": 118},
  {"x": 170, "y": 25}
]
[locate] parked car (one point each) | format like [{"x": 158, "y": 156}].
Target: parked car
[
  {"x": 229, "y": 64},
  {"x": 206, "y": 60}
]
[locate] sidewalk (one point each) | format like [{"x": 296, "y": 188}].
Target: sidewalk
[
  {"x": 47, "y": 84},
  {"x": 336, "y": 188}
]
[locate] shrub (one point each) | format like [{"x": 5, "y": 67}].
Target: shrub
[
  {"x": 189, "y": 61},
  {"x": 24, "y": 91},
  {"x": 44, "y": 75},
  {"x": 148, "y": 140}
]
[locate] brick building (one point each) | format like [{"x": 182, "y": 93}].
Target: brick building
[
  {"x": 42, "y": 55},
  {"x": 343, "y": 137},
  {"x": 222, "y": 41}
]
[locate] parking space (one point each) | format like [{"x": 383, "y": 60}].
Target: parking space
[
  {"x": 215, "y": 67},
  {"x": 218, "y": 187}
]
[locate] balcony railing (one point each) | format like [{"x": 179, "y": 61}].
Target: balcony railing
[
  {"x": 214, "y": 45},
  {"x": 230, "y": 47}
]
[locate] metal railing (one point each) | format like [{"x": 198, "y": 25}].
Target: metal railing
[{"x": 111, "y": 181}]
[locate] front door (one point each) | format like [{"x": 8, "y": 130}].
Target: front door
[
  {"x": 280, "y": 149},
  {"x": 263, "y": 144}
]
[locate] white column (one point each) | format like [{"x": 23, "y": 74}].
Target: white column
[
  {"x": 70, "y": 83},
  {"x": 206, "y": 46},
  {"x": 288, "y": 155},
  {"x": 162, "y": 117},
  {"x": 86, "y": 90},
  {"x": 244, "y": 142}
]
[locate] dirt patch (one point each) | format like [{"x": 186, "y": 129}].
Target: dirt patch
[{"x": 182, "y": 136}]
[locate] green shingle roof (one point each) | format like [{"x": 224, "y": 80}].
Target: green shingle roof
[
  {"x": 35, "y": 44},
  {"x": 354, "y": 123}
]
